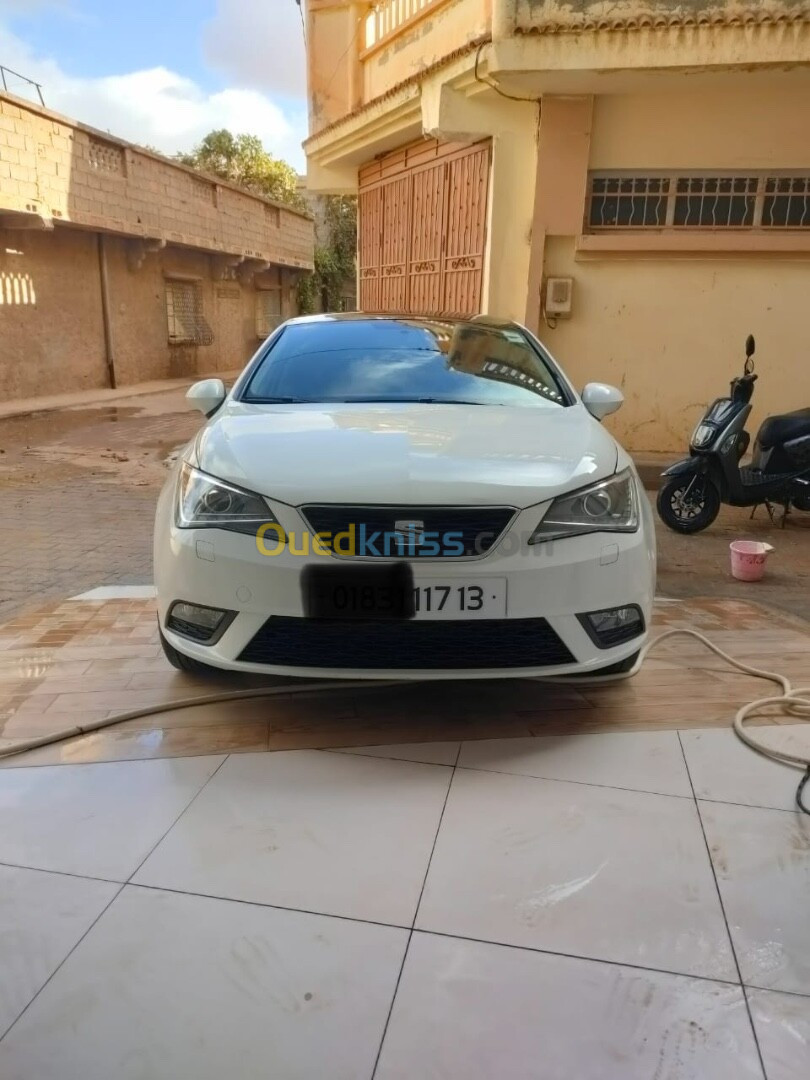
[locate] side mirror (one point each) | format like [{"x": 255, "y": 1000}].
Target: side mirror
[
  {"x": 207, "y": 395},
  {"x": 601, "y": 400},
  {"x": 750, "y": 346}
]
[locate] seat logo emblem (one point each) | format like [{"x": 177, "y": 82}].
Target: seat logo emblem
[{"x": 412, "y": 531}]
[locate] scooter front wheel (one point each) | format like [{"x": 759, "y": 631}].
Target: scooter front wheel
[{"x": 688, "y": 504}]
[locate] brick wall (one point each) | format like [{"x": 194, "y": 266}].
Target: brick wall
[
  {"x": 51, "y": 336},
  {"x": 61, "y": 186},
  {"x": 59, "y": 171},
  {"x": 51, "y": 328}
]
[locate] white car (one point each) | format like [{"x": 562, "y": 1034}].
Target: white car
[{"x": 402, "y": 497}]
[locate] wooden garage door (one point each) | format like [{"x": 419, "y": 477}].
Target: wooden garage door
[{"x": 423, "y": 212}]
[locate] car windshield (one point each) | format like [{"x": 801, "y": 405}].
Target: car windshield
[{"x": 390, "y": 360}]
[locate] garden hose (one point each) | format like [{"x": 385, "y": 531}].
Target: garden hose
[{"x": 794, "y": 702}]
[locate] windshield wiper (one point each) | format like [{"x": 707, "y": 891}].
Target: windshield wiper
[
  {"x": 362, "y": 401},
  {"x": 408, "y": 401},
  {"x": 277, "y": 401}
]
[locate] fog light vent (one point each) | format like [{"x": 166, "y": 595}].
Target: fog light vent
[
  {"x": 613, "y": 626},
  {"x": 197, "y": 622}
]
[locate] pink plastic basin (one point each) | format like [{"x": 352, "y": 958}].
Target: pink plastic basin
[{"x": 748, "y": 559}]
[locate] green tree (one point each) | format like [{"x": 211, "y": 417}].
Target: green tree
[
  {"x": 243, "y": 160},
  {"x": 335, "y": 254}
]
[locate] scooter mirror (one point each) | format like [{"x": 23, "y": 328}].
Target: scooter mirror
[{"x": 750, "y": 346}]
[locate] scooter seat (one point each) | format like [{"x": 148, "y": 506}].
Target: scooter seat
[{"x": 781, "y": 429}]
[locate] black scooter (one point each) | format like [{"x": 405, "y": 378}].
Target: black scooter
[{"x": 694, "y": 488}]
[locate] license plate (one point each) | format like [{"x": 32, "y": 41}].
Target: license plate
[
  {"x": 390, "y": 592},
  {"x": 478, "y": 598}
]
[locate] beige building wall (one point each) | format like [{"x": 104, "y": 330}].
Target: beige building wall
[
  {"x": 669, "y": 327},
  {"x": 640, "y": 85}
]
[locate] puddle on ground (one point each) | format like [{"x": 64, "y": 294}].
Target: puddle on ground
[{"x": 35, "y": 428}]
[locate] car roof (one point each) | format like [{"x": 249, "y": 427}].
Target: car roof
[{"x": 412, "y": 320}]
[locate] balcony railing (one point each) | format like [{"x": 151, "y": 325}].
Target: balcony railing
[{"x": 391, "y": 17}]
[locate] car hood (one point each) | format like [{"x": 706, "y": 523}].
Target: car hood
[{"x": 429, "y": 454}]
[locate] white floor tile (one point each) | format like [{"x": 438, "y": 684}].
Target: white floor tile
[
  {"x": 438, "y": 753},
  {"x": 335, "y": 833},
  {"x": 641, "y": 761},
  {"x": 42, "y": 916},
  {"x": 96, "y": 820},
  {"x": 607, "y": 874},
  {"x": 174, "y": 987},
  {"x": 762, "y": 859},
  {"x": 782, "y": 1023},
  {"x": 723, "y": 768},
  {"x": 485, "y": 1012},
  {"x": 118, "y": 592}
]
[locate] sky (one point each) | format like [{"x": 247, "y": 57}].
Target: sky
[{"x": 163, "y": 73}]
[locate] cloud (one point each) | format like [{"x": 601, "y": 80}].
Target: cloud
[
  {"x": 258, "y": 44},
  {"x": 30, "y": 7},
  {"x": 158, "y": 107}
]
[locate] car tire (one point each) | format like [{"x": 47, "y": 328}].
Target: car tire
[
  {"x": 185, "y": 663},
  {"x": 700, "y": 511}
]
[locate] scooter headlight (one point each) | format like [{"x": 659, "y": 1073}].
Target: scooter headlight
[{"x": 702, "y": 436}]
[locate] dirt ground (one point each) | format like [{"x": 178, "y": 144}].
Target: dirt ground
[{"x": 79, "y": 486}]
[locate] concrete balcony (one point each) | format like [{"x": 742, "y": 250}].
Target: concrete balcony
[
  {"x": 359, "y": 52},
  {"x": 402, "y": 37},
  {"x": 385, "y": 74}
]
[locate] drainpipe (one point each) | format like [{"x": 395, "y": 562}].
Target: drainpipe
[{"x": 104, "y": 283}]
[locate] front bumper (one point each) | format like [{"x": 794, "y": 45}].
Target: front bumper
[{"x": 554, "y": 582}]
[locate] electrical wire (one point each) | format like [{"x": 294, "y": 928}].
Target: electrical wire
[
  {"x": 303, "y": 23},
  {"x": 491, "y": 82},
  {"x": 795, "y": 702},
  {"x": 352, "y": 43}
]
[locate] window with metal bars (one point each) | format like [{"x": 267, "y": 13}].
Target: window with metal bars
[
  {"x": 184, "y": 312},
  {"x": 268, "y": 311},
  {"x": 698, "y": 201}
]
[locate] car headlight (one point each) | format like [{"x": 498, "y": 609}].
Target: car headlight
[
  {"x": 702, "y": 435},
  {"x": 609, "y": 506},
  {"x": 203, "y": 502}
]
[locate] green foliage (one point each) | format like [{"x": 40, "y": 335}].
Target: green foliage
[
  {"x": 307, "y": 294},
  {"x": 334, "y": 259},
  {"x": 242, "y": 160}
]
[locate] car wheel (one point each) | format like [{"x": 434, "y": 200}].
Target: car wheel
[
  {"x": 688, "y": 504},
  {"x": 185, "y": 663}
]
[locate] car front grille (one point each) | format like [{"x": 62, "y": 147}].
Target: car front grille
[
  {"x": 460, "y": 532},
  {"x": 407, "y": 645}
]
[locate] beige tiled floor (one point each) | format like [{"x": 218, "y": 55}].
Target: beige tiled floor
[
  {"x": 521, "y": 882},
  {"x": 310, "y": 913},
  {"x": 86, "y": 660}
]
